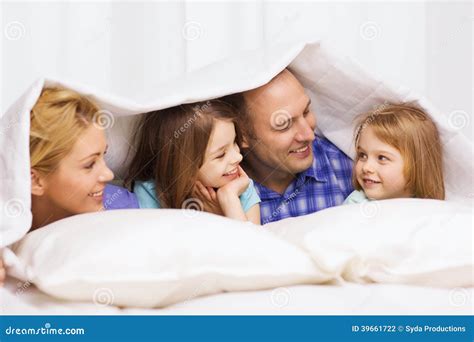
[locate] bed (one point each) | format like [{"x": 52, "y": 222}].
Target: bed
[{"x": 346, "y": 299}]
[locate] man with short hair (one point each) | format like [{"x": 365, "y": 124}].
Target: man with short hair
[{"x": 295, "y": 171}]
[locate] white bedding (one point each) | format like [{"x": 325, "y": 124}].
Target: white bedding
[{"x": 345, "y": 299}]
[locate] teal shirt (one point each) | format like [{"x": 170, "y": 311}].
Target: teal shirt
[
  {"x": 356, "y": 196},
  {"x": 146, "y": 194}
]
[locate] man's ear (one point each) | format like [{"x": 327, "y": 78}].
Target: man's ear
[{"x": 37, "y": 183}]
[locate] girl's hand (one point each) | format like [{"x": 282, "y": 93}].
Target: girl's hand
[
  {"x": 208, "y": 197},
  {"x": 236, "y": 186},
  {"x": 3, "y": 272}
]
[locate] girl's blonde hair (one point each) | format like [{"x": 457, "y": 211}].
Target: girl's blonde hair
[
  {"x": 412, "y": 132},
  {"x": 57, "y": 120}
]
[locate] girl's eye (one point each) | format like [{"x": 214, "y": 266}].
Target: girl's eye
[
  {"x": 91, "y": 165},
  {"x": 221, "y": 156},
  {"x": 383, "y": 158},
  {"x": 361, "y": 155}
]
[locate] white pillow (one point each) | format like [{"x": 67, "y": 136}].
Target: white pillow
[
  {"x": 153, "y": 258},
  {"x": 408, "y": 241}
]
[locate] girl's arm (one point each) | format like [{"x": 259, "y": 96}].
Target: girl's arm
[
  {"x": 225, "y": 201},
  {"x": 228, "y": 197},
  {"x": 231, "y": 206},
  {"x": 253, "y": 214}
]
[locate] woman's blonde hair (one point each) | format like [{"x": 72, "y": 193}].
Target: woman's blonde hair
[
  {"x": 412, "y": 132},
  {"x": 57, "y": 120}
]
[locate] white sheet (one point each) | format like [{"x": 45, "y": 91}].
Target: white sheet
[{"x": 346, "y": 299}]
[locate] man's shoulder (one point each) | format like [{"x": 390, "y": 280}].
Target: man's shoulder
[{"x": 323, "y": 144}]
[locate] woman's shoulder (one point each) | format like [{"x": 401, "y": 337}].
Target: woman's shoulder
[{"x": 117, "y": 197}]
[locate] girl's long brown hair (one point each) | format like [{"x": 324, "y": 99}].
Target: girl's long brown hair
[
  {"x": 411, "y": 131},
  {"x": 171, "y": 145}
]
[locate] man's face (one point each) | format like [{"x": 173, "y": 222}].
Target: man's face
[{"x": 284, "y": 125}]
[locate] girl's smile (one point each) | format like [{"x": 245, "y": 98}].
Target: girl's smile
[{"x": 231, "y": 175}]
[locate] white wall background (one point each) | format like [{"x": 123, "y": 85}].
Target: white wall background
[{"x": 128, "y": 46}]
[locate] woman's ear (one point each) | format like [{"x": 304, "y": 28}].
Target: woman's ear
[{"x": 37, "y": 183}]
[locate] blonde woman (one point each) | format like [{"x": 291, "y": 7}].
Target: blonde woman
[
  {"x": 68, "y": 172},
  {"x": 398, "y": 155}
]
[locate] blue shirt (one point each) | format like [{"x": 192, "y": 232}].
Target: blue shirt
[
  {"x": 146, "y": 194},
  {"x": 116, "y": 197},
  {"x": 326, "y": 183}
]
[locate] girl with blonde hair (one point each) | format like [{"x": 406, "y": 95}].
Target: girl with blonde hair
[{"x": 398, "y": 154}]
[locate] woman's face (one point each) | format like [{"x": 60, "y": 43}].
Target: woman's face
[
  {"x": 77, "y": 185},
  {"x": 222, "y": 156}
]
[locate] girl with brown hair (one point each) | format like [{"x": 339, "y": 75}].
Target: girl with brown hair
[{"x": 188, "y": 156}]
